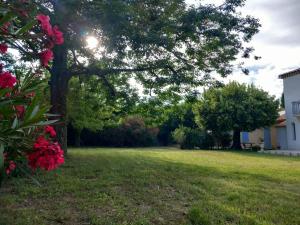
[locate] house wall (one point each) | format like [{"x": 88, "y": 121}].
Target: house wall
[
  {"x": 274, "y": 137},
  {"x": 291, "y": 87},
  {"x": 256, "y": 136},
  {"x": 282, "y": 138}
]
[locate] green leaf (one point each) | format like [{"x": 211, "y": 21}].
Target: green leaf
[
  {"x": 27, "y": 27},
  {"x": 15, "y": 123},
  {"x": 5, "y": 102},
  {"x": 8, "y": 17},
  {"x": 52, "y": 115},
  {"x": 1, "y": 157},
  {"x": 4, "y": 91},
  {"x": 34, "y": 111},
  {"x": 48, "y": 122},
  {"x": 30, "y": 109}
]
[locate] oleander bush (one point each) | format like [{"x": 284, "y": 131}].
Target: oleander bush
[{"x": 27, "y": 141}]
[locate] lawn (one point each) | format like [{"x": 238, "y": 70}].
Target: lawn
[{"x": 158, "y": 186}]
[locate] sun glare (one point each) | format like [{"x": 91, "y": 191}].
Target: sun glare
[{"x": 92, "y": 42}]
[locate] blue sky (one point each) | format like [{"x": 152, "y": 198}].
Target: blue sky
[{"x": 278, "y": 42}]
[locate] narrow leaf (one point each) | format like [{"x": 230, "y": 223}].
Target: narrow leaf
[{"x": 27, "y": 27}]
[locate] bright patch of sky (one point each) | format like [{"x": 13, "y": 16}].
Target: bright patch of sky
[
  {"x": 92, "y": 42},
  {"x": 278, "y": 42}
]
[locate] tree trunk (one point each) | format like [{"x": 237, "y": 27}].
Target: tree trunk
[
  {"x": 59, "y": 89},
  {"x": 77, "y": 138},
  {"x": 236, "y": 140}
]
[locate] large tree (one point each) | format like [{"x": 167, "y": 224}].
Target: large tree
[
  {"x": 236, "y": 107},
  {"x": 164, "y": 45},
  {"x": 90, "y": 106}
]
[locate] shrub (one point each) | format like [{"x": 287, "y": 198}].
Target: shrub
[
  {"x": 208, "y": 141},
  {"x": 223, "y": 140},
  {"x": 179, "y": 135},
  {"x": 135, "y": 132},
  {"x": 189, "y": 138},
  {"x": 256, "y": 148},
  {"x": 26, "y": 140},
  {"x": 193, "y": 139},
  {"x": 132, "y": 132}
]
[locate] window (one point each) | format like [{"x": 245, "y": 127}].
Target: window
[{"x": 294, "y": 131}]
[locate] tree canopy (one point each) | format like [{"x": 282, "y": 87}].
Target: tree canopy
[
  {"x": 90, "y": 105},
  {"x": 236, "y": 107},
  {"x": 164, "y": 45}
]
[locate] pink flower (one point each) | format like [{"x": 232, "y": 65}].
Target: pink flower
[
  {"x": 3, "y": 48},
  {"x": 41, "y": 143},
  {"x": 45, "y": 57},
  {"x": 11, "y": 167},
  {"x": 20, "y": 110},
  {"x": 50, "y": 130},
  {"x": 45, "y": 23},
  {"x": 45, "y": 155},
  {"x": 57, "y": 36},
  {"x": 7, "y": 80},
  {"x": 30, "y": 95}
]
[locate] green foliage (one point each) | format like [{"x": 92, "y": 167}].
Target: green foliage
[
  {"x": 91, "y": 107},
  {"x": 167, "y": 113},
  {"x": 179, "y": 135},
  {"x": 174, "y": 117},
  {"x": 166, "y": 46},
  {"x": 18, "y": 129},
  {"x": 35, "y": 110},
  {"x": 151, "y": 109},
  {"x": 14, "y": 131},
  {"x": 223, "y": 140},
  {"x": 189, "y": 138},
  {"x": 8, "y": 14},
  {"x": 132, "y": 131},
  {"x": 23, "y": 108},
  {"x": 87, "y": 104},
  {"x": 166, "y": 40},
  {"x": 256, "y": 148},
  {"x": 235, "y": 107},
  {"x": 136, "y": 133}
]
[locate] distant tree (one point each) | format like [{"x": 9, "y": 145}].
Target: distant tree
[
  {"x": 236, "y": 107},
  {"x": 151, "y": 109},
  {"x": 165, "y": 45},
  {"x": 136, "y": 133},
  {"x": 175, "y": 116}
]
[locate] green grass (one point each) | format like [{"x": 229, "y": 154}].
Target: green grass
[{"x": 158, "y": 186}]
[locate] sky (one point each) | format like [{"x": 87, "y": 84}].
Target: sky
[{"x": 278, "y": 42}]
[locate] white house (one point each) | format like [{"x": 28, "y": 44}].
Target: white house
[{"x": 291, "y": 87}]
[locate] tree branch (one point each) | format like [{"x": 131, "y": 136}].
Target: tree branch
[
  {"x": 102, "y": 73},
  {"x": 89, "y": 71}
]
